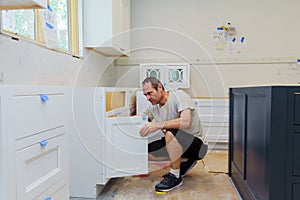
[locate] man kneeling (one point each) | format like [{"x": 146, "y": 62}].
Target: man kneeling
[{"x": 174, "y": 114}]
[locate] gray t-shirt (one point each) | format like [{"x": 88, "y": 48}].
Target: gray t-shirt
[{"x": 176, "y": 102}]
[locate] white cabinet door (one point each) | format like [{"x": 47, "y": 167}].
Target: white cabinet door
[
  {"x": 151, "y": 70},
  {"x": 177, "y": 76},
  {"x": 40, "y": 166},
  {"x": 127, "y": 151},
  {"x": 106, "y": 26},
  {"x": 122, "y": 38}
]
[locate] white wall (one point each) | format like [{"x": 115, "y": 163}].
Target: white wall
[
  {"x": 270, "y": 27},
  {"x": 23, "y": 62},
  {"x": 182, "y": 30}
]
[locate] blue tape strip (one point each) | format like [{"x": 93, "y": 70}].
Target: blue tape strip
[
  {"x": 44, "y": 97},
  {"x": 43, "y": 143},
  {"x": 233, "y": 39},
  {"x": 144, "y": 118},
  {"x": 49, "y": 25},
  {"x": 49, "y": 8},
  {"x": 242, "y": 39}
]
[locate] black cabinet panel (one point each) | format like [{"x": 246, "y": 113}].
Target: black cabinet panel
[
  {"x": 239, "y": 129},
  {"x": 297, "y": 108},
  {"x": 264, "y": 143},
  {"x": 256, "y": 146},
  {"x": 296, "y": 191},
  {"x": 296, "y": 155}
]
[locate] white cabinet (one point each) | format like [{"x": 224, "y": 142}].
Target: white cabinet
[
  {"x": 214, "y": 116},
  {"x": 107, "y": 26},
  {"x": 104, "y": 141},
  {"x": 172, "y": 76},
  {"x": 22, "y": 4},
  {"x": 33, "y": 143}
]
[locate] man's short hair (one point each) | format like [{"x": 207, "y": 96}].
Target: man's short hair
[{"x": 154, "y": 82}]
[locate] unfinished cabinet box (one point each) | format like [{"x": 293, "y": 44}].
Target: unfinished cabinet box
[
  {"x": 105, "y": 141},
  {"x": 107, "y": 26},
  {"x": 33, "y": 142},
  {"x": 264, "y": 142}
]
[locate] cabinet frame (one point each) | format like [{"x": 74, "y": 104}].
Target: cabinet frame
[{"x": 91, "y": 128}]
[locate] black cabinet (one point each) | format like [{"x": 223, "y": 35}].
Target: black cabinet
[{"x": 264, "y": 142}]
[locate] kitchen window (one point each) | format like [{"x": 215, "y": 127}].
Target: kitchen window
[{"x": 30, "y": 24}]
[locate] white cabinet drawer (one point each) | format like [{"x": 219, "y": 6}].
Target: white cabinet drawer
[
  {"x": 127, "y": 151},
  {"x": 59, "y": 191},
  {"x": 33, "y": 115},
  {"x": 36, "y": 138},
  {"x": 40, "y": 166}
]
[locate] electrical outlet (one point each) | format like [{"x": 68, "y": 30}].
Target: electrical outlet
[
  {"x": 1, "y": 77},
  {"x": 292, "y": 69},
  {"x": 298, "y": 69}
]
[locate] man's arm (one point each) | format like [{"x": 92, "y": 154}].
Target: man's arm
[{"x": 183, "y": 122}]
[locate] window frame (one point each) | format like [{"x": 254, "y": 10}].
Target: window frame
[{"x": 73, "y": 23}]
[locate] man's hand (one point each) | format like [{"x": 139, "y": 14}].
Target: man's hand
[{"x": 150, "y": 127}]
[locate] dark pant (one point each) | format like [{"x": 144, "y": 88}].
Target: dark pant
[{"x": 190, "y": 144}]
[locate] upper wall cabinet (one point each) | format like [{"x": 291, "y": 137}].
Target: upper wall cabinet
[
  {"x": 107, "y": 26},
  {"x": 22, "y": 4},
  {"x": 172, "y": 75}
]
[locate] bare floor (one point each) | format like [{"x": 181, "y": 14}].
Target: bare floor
[{"x": 207, "y": 180}]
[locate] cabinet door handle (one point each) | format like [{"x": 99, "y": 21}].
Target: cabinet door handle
[
  {"x": 44, "y": 97},
  {"x": 43, "y": 143}
]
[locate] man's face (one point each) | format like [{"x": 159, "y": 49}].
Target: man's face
[{"x": 152, "y": 95}]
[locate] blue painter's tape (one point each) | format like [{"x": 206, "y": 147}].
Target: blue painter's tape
[
  {"x": 43, "y": 143},
  {"x": 233, "y": 39},
  {"x": 44, "y": 97},
  {"x": 298, "y": 60},
  {"x": 144, "y": 117},
  {"x": 49, "y": 8},
  {"x": 242, "y": 39},
  {"x": 219, "y": 28},
  {"x": 49, "y": 25}
]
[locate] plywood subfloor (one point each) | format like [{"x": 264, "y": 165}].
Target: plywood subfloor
[{"x": 207, "y": 180}]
